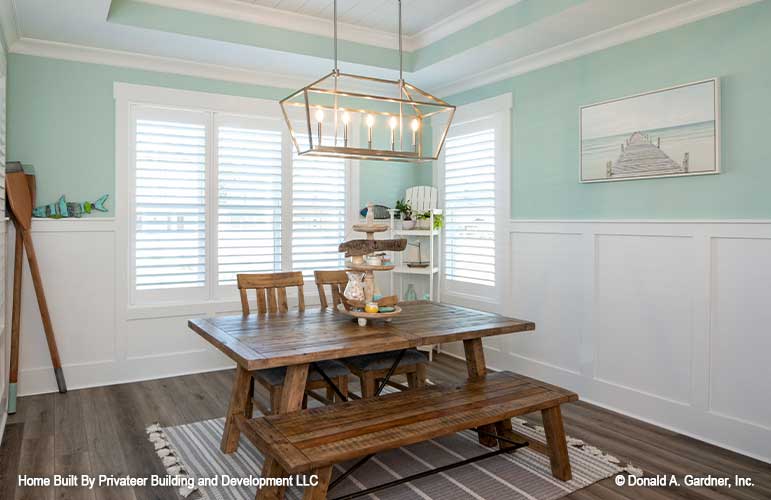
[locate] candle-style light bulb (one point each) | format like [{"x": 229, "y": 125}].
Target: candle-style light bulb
[
  {"x": 370, "y": 122},
  {"x": 392, "y": 122},
  {"x": 346, "y": 120},
  {"x": 415, "y": 125},
  {"x": 319, "y": 119}
]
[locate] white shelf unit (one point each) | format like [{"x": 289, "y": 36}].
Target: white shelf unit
[{"x": 431, "y": 241}]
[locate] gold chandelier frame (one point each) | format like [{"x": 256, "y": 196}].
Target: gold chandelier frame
[{"x": 412, "y": 105}]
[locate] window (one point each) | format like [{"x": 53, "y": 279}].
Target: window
[
  {"x": 318, "y": 213},
  {"x": 469, "y": 197},
  {"x": 212, "y": 194},
  {"x": 473, "y": 178},
  {"x": 249, "y": 170},
  {"x": 170, "y": 200}
]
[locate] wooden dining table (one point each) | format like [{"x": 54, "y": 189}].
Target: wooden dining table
[{"x": 295, "y": 339}]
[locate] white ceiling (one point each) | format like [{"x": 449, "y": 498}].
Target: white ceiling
[{"x": 380, "y": 15}]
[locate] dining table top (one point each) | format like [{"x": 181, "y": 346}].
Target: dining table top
[{"x": 259, "y": 341}]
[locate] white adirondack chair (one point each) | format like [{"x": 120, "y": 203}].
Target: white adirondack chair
[{"x": 422, "y": 198}]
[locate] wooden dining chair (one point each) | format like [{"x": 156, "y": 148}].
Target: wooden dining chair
[
  {"x": 270, "y": 289},
  {"x": 371, "y": 368}
]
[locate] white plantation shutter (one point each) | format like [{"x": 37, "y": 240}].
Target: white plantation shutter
[
  {"x": 170, "y": 199},
  {"x": 249, "y": 201},
  {"x": 318, "y": 212},
  {"x": 469, "y": 193},
  {"x": 213, "y": 194}
]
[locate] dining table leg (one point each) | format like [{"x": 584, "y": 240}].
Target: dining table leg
[
  {"x": 291, "y": 400},
  {"x": 475, "y": 363},
  {"x": 239, "y": 405}
]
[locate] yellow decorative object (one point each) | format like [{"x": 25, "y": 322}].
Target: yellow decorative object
[{"x": 371, "y": 307}]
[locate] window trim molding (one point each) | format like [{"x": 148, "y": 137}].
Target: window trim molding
[
  {"x": 128, "y": 95},
  {"x": 497, "y": 110}
]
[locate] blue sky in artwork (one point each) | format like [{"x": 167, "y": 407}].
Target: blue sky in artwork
[{"x": 670, "y": 108}]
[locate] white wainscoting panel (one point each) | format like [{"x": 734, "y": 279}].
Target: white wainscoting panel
[
  {"x": 643, "y": 314},
  {"x": 663, "y": 321},
  {"x": 546, "y": 261},
  {"x": 740, "y": 337},
  {"x": 99, "y": 341}
]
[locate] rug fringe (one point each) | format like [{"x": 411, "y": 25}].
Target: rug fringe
[
  {"x": 592, "y": 450},
  {"x": 168, "y": 457}
]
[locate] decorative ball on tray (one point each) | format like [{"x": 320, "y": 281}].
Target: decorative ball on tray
[{"x": 359, "y": 299}]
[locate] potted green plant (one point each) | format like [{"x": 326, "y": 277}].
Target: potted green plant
[
  {"x": 405, "y": 209},
  {"x": 424, "y": 219}
]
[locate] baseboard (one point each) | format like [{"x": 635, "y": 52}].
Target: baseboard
[
  {"x": 3, "y": 421},
  {"x": 650, "y": 421},
  {"x": 41, "y": 381}
]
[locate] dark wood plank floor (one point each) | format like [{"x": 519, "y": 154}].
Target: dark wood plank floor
[{"x": 102, "y": 431}]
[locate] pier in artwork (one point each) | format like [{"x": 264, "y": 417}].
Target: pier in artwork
[{"x": 641, "y": 156}]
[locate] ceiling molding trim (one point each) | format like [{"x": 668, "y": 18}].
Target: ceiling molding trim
[
  {"x": 9, "y": 24},
  {"x": 468, "y": 16},
  {"x": 159, "y": 64},
  {"x": 277, "y": 18},
  {"x": 668, "y": 19}
]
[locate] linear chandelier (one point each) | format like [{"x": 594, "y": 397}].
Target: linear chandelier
[{"x": 361, "y": 117}]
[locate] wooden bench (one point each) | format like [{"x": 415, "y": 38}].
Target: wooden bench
[{"x": 313, "y": 440}]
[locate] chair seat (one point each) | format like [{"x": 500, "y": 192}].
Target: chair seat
[
  {"x": 384, "y": 360},
  {"x": 275, "y": 376}
]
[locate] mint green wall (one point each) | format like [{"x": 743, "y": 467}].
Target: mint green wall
[
  {"x": 735, "y": 46},
  {"x": 61, "y": 119},
  {"x": 145, "y": 15}
]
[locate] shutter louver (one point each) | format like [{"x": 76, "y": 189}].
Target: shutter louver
[
  {"x": 170, "y": 204},
  {"x": 318, "y": 213},
  {"x": 249, "y": 207},
  {"x": 470, "y": 207}
]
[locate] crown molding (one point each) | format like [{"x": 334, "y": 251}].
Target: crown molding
[
  {"x": 461, "y": 19},
  {"x": 9, "y": 24},
  {"x": 667, "y": 19},
  {"x": 108, "y": 57},
  {"x": 277, "y": 18}
]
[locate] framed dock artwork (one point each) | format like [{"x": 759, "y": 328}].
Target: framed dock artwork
[{"x": 664, "y": 133}]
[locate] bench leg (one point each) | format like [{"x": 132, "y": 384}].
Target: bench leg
[
  {"x": 249, "y": 412},
  {"x": 417, "y": 378},
  {"x": 319, "y": 492},
  {"x": 368, "y": 385},
  {"x": 475, "y": 363},
  {"x": 555, "y": 441},
  {"x": 291, "y": 400},
  {"x": 239, "y": 402}
]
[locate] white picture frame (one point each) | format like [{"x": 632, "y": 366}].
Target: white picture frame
[{"x": 689, "y": 146}]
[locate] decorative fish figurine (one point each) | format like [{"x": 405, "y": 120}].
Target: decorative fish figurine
[{"x": 63, "y": 208}]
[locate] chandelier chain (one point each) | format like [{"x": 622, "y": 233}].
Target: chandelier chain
[{"x": 334, "y": 22}]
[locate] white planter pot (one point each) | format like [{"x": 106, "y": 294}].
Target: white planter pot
[{"x": 408, "y": 224}]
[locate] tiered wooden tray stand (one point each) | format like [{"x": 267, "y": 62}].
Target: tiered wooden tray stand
[{"x": 358, "y": 263}]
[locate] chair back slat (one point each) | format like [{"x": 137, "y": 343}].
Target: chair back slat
[
  {"x": 422, "y": 198},
  {"x": 272, "y": 304},
  {"x": 300, "y": 298},
  {"x": 337, "y": 280},
  {"x": 270, "y": 289}
]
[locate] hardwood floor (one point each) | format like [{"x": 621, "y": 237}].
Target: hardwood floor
[{"x": 102, "y": 431}]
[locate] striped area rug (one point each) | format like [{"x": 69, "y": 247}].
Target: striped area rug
[{"x": 193, "y": 449}]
